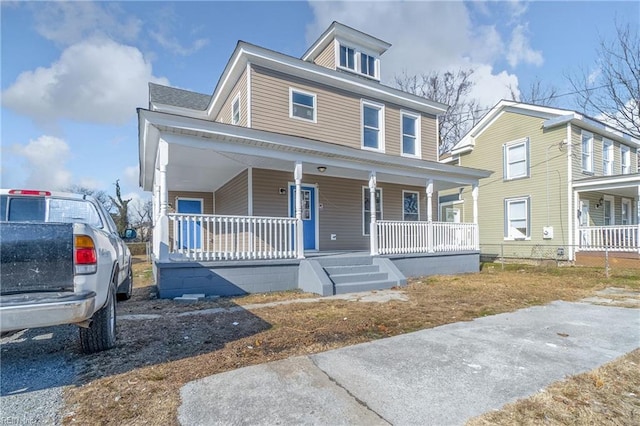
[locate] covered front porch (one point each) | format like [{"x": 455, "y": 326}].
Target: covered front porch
[{"x": 262, "y": 205}]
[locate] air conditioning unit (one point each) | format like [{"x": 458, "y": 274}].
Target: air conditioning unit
[{"x": 547, "y": 232}]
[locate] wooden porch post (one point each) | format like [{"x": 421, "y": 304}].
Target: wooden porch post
[
  {"x": 430, "y": 215},
  {"x": 297, "y": 174},
  {"x": 373, "y": 227},
  {"x": 474, "y": 193},
  {"x": 161, "y": 230}
]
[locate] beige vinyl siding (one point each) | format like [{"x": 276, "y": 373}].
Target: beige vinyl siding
[
  {"x": 429, "y": 135},
  {"x": 341, "y": 200},
  {"x": 488, "y": 154},
  {"x": 576, "y": 137},
  {"x": 225, "y": 114},
  {"x": 232, "y": 197},
  {"x": 327, "y": 58}
]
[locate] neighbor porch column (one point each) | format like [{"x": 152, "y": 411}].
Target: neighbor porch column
[
  {"x": 373, "y": 226},
  {"x": 474, "y": 194},
  {"x": 430, "y": 215},
  {"x": 161, "y": 229},
  {"x": 297, "y": 174}
]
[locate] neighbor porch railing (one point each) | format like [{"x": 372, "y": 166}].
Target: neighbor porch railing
[
  {"x": 215, "y": 237},
  {"x": 615, "y": 237},
  {"x": 399, "y": 237}
]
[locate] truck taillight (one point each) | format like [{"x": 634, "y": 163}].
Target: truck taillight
[{"x": 85, "y": 257}]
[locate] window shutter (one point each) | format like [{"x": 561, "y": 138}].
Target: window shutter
[{"x": 528, "y": 150}]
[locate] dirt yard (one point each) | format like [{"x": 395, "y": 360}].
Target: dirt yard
[{"x": 164, "y": 344}]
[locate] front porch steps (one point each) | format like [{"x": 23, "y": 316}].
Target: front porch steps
[{"x": 348, "y": 274}]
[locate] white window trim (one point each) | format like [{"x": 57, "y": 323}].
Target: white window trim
[
  {"x": 590, "y": 165},
  {"x": 340, "y": 44},
  {"x": 607, "y": 146},
  {"x": 356, "y": 60},
  {"x": 509, "y": 145},
  {"x": 365, "y": 226},
  {"x": 612, "y": 200},
  {"x": 236, "y": 99},
  {"x": 381, "y": 119},
  {"x": 315, "y": 105},
  {"x": 507, "y": 201},
  {"x": 418, "y": 196},
  {"x": 418, "y": 135},
  {"x": 625, "y": 159},
  {"x": 201, "y": 200}
]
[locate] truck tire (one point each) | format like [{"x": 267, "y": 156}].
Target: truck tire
[
  {"x": 101, "y": 334},
  {"x": 126, "y": 288}
]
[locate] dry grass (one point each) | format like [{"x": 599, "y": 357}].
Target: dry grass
[{"x": 138, "y": 382}]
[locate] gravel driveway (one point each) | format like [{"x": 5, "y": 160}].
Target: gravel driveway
[{"x": 36, "y": 365}]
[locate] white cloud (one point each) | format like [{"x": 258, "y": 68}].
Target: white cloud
[
  {"x": 131, "y": 176},
  {"x": 520, "y": 51},
  {"x": 173, "y": 45},
  {"x": 44, "y": 162},
  {"x": 97, "y": 81}
]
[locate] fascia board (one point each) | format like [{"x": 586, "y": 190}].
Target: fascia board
[
  {"x": 622, "y": 181},
  {"x": 148, "y": 140}
]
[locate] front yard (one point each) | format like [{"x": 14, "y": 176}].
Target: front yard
[{"x": 163, "y": 344}]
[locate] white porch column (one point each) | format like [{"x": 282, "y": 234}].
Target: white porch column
[
  {"x": 373, "y": 227},
  {"x": 576, "y": 226},
  {"x": 297, "y": 175},
  {"x": 474, "y": 194},
  {"x": 638, "y": 217},
  {"x": 161, "y": 230},
  {"x": 430, "y": 200}
]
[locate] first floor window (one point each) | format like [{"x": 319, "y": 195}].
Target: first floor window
[
  {"x": 366, "y": 208},
  {"x": 410, "y": 206},
  {"x": 516, "y": 220},
  {"x": 303, "y": 105},
  {"x": 587, "y": 152}
]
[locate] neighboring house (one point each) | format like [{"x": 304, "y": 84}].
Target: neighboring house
[
  {"x": 564, "y": 185},
  {"x": 292, "y": 160}
]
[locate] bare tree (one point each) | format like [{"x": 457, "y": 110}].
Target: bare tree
[
  {"x": 121, "y": 217},
  {"x": 451, "y": 88},
  {"x": 612, "y": 91},
  {"x": 101, "y": 196},
  {"x": 141, "y": 220},
  {"x": 536, "y": 93}
]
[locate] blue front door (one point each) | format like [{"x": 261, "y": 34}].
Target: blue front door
[
  {"x": 189, "y": 233},
  {"x": 309, "y": 219}
]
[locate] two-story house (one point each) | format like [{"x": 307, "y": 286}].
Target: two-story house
[
  {"x": 299, "y": 172},
  {"x": 564, "y": 185}
]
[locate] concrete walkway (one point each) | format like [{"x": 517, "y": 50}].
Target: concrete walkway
[{"x": 439, "y": 376}]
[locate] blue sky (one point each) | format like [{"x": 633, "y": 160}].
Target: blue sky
[{"x": 73, "y": 73}]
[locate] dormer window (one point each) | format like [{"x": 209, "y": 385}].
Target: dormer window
[
  {"x": 367, "y": 65},
  {"x": 347, "y": 57},
  {"x": 357, "y": 61}
]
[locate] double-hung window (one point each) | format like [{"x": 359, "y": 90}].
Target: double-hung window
[
  {"x": 366, "y": 208},
  {"x": 516, "y": 159},
  {"x": 410, "y": 134},
  {"x": 372, "y": 126},
  {"x": 607, "y": 157},
  {"x": 347, "y": 57},
  {"x": 517, "y": 218},
  {"x": 235, "y": 110},
  {"x": 587, "y": 152},
  {"x": 410, "y": 206},
  {"x": 302, "y": 105},
  {"x": 625, "y": 159},
  {"x": 367, "y": 64}
]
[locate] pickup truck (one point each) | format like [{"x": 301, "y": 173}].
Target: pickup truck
[{"x": 61, "y": 262}]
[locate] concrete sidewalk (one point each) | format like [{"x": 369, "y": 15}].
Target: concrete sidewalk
[{"x": 439, "y": 376}]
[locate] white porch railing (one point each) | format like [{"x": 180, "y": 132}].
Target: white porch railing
[
  {"x": 214, "y": 237},
  {"x": 615, "y": 238},
  {"x": 398, "y": 237}
]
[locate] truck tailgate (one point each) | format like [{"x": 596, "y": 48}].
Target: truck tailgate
[{"x": 36, "y": 257}]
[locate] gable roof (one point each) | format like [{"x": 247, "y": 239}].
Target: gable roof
[
  {"x": 553, "y": 117},
  {"x": 159, "y": 94}
]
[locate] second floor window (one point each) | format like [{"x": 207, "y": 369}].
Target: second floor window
[
  {"x": 372, "y": 132},
  {"x": 516, "y": 159},
  {"x": 410, "y": 135},
  {"x": 587, "y": 152},
  {"x": 302, "y": 105},
  {"x": 607, "y": 157},
  {"x": 625, "y": 159},
  {"x": 235, "y": 111},
  {"x": 347, "y": 57}
]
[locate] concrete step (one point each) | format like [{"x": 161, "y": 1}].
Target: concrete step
[
  {"x": 363, "y": 286},
  {"x": 358, "y": 278},
  {"x": 330, "y": 261},
  {"x": 351, "y": 269}
]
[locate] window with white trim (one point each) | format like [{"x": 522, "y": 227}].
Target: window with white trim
[
  {"x": 367, "y": 64},
  {"x": 372, "y": 126},
  {"x": 517, "y": 218},
  {"x": 625, "y": 159},
  {"x": 410, "y": 206},
  {"x": 366, "y": 208},
  {"x": 607, "y": 157},
  {"x": 516, "y": 159},
  {"x": 587, "y": 152},
  {"x": 357, "y": 61},
  {"x": 235, "y": 110},
  {"x": 347, "y": 57},
  {"x": 410, "y": 134},
  {"x": 302, "y": 105}
]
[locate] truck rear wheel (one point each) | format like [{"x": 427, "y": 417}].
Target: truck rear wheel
[{"x": 101, "y": 334}]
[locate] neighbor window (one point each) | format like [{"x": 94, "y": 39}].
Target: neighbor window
[
  {"x": 235, "y": 111},
  {"x": 366, "y": 208},
  {"x": 587, "y": 152},
  {"x": 516, "y": 159},
  {"x": 625, "y": 159},
  {"x": 372, "y": 126},
  {"x": 347, "y": 57},
  {"x": 410, "y": 134},
  {"x": 516, "y": 218},
  {"x": 607, "y": 157},
  {"x": 410, "y": 206},
  {"x": 302, "y": 105},
  {"x": 367, "y": 65}
]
